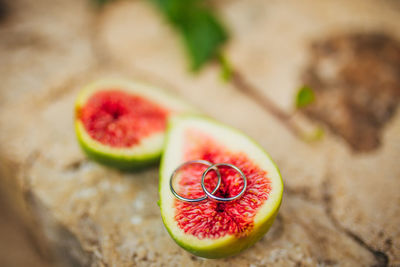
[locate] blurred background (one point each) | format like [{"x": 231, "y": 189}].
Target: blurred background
[{"x": 317, "y": 83}]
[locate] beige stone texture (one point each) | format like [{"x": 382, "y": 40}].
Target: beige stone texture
[{"x": 339, "y": 207}]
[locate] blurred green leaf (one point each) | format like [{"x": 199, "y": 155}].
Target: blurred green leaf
[
  {"x": 305, "y": 96},
  {"x": 100, "y": 3},
  {"x": 226, "y": 68},
  {"x": 315, "y": 135},
  {"x": 202, "y": 33}
]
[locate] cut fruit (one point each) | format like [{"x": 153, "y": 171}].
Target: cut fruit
[
  {"x": 213, "y": 229},
  {"x": 122, "y": 123}
]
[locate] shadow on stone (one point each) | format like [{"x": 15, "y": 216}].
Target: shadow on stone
[{"x": 356, "y": 80}]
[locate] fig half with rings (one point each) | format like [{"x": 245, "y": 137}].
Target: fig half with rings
[
  {"x": 213, "y": 228},
  {"x": 208, "y": 194}
]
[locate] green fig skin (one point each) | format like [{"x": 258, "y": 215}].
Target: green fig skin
[{"x": 126, "y": 164}]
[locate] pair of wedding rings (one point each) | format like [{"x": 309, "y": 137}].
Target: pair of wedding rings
[{"x": 207, "y": 193}]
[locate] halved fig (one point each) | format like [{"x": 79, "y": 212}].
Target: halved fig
[
  {"x": 208, "y": 228},
  {"x": 122, "y": 123}
]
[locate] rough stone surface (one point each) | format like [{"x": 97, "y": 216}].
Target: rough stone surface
[{"x": 339, "y": 208}]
